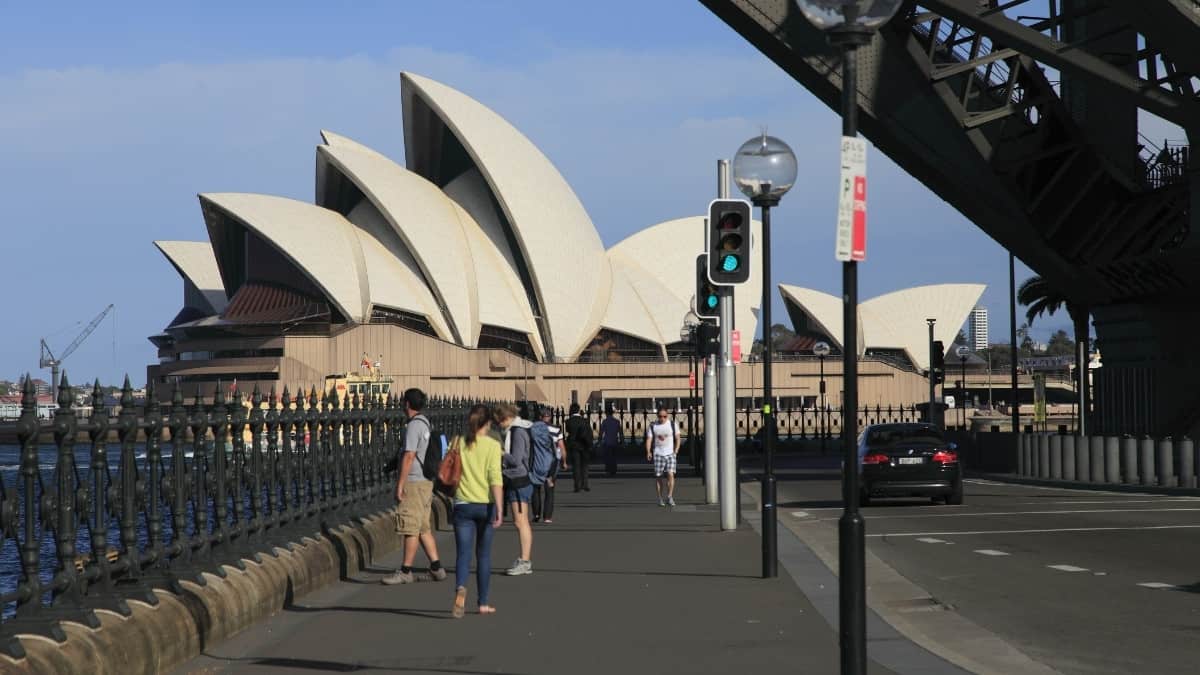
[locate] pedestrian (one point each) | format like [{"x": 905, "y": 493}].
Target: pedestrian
[
  {"x": 414, "y": 491},
  {"x": 662, "y": 445},
  {"x": 477, "y": 501},
  {"x": 579, "y": 446},
  {"x": 543, "y": 495},
  {"x": 612, "y": 436},
  {"x": 518, "y": 488}
]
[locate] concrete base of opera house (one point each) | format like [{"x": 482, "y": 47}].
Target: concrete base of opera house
[{"x": 411, "y": 359}]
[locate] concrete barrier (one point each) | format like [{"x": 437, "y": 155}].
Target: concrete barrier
[
  {"x": 1187, "y": 462},
  {"x": 1166, "y": 462},
  {"x": 156, "y": 639},
  {"x": 1097, "y": 447},
  {"x": 1068, "y": 457},
  {"x": 1043, "y": 456},
  {"x": 1146, "y": 460},
  {"x": 1056, "y": 457},
  {"x": 1083, "y": 460},
  {"x": 1112, "y": 459},
  {"x": 1129, "y": 460}
]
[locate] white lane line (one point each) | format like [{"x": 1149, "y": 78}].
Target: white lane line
[
  {"x": 1044, "y": 488},
  {"x": 800, "y": 514},
  {"x": 989, "y": 551},
  {"x": 1158, "y": 585},
  {"x": 931, "y": 540},
  {"x": 1037, "y": 531},
  {"x": 1029, "y": 513},
  {"x": 1114, "y": 501},
  {"x": 1067, "y": 568}
]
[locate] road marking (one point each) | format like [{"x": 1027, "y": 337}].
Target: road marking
[
  {"x": 1116, "y": 501},
  {"x": 994, "y": 483},
  {"x": 931, "y": 540},
  {"x": 989, "y": 551},
  {"x": 1037, "y": 531},
  {"x": 800, "y": 514},
  {"x": 1157, "y": 585},
  {"x": 1029, "y": 513},
  {"x": 1067, "y": 568}
]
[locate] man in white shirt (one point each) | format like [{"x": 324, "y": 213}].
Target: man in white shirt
[{"x": 662, "y": 446}]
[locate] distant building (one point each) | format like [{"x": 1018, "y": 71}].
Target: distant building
[{"x": 978, "y": 323}]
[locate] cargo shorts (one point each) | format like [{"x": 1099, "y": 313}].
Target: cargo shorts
[{"x": 414, "y": 515}]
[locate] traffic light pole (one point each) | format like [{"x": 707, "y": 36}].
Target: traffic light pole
[
  {"x": 728, "y": 483},
  {"x": 932, "y": 377},
  {"x": 710, "y": 430}
]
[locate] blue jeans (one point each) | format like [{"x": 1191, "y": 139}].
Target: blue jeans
[{"x": 473, "y": 527}]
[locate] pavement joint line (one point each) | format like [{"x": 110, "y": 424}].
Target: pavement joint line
[
  {"x": 1158, "y": 585},
  {"x": 1068, "y": 568},
  {"x": 1034, "y": 531},
  {"x": 990, "y": 551}
]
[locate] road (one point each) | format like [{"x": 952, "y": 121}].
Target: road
[{"x": 1081, "y": 581}]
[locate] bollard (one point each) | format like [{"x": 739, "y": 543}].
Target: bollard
[
  {"x": 1166, "y": 462},
  {"x": 1056, "y": 457},
  {"x": 1146, "y": 460},
  {"x": 1043, "y": 456},
  {"x": 1187, "y": 462},
  {"x": 1129, "y": 459},
  {"x": 1097, "y": 446},
  {"x": 1022, "y": 457},
  {"x": 1112, "y": 459},
  {"x": 1068, "y": 457},
  {"x": 1083, "y": 460}
]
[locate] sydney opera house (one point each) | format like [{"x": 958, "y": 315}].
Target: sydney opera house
[{"x": 473, "y": 269}]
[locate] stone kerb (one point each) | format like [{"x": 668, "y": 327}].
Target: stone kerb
[{"x": 156, "y": 639}]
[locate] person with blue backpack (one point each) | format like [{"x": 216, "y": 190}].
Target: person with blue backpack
[
  {"x": 547, "y": 451},
  {"x": 517, "y": 462}
]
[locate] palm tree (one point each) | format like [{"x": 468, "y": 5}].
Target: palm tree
[{"x": 1039, "y": 298}]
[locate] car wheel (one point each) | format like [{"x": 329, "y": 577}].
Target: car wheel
[
  {"x": 955, "y": 498},
  {"x": 935, "y": 499}
]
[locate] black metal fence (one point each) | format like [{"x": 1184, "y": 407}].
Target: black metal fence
[{"x": 194, "y": 485}]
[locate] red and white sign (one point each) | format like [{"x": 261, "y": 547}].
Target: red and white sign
[
  {"x": 851, "y": 238},
  {"x": 691, "y": 379},
  {"x": 735, "y": 345}
]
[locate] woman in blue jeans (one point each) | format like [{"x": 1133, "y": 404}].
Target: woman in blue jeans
[{"x": 477, "y": 508}]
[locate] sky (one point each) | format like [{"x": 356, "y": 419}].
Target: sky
[{"x": 115, "y": 115}]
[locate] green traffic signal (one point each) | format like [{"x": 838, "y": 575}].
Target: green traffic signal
[{"x": 730, "y": 263}]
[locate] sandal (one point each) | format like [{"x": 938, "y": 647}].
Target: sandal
[
  {"x": 487, "y": 609},
  {"x": 460, "y": 603}
]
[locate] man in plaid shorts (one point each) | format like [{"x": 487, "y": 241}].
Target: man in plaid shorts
[{"x": 662, "y": 445}]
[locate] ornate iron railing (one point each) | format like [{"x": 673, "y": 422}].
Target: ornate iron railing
[{"x": 219, "y": 482}]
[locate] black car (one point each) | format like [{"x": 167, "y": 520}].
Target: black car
[{"x": 908, "y": 460}]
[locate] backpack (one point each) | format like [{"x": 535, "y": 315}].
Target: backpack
[
  {"x": 674, "y": 431},
  {"x": 541, "y": 452},
  {"x": 579, "y": 433},
  {"x": 433, "y": 456}
]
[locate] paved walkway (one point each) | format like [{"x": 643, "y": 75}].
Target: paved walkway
[{"x": 619, "y": 585}]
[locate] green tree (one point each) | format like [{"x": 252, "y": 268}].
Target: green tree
[
  {"x": 1039, "y": 298},
  {"x": 780, "y": 336},
  {"x": 1060, "y": 344}
]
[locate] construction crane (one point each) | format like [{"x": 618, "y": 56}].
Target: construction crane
[{"x": 48, "y": 360}]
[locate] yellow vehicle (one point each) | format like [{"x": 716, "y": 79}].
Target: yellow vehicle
[{"x": 357, "y": 382}]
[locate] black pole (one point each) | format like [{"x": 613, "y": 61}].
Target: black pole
[
  {"x": 823, "y": 412},
  {"x": 1012, "y": 330},
  {"x": 963, "y": 374},
  {"x": 932, "y": 377},
  {"x": 770, "y": 558},
  {"x": 851, "y": 531}
]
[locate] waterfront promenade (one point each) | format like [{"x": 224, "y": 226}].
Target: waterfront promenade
[{"x": 619, "y": 585}]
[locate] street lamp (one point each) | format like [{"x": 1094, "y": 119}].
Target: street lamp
[
  {"x": 849, "y": 25},
  {"x": 962, "y": 353},
  {"x": 821, "y": 349},
  {"x": 764, "y": 169}
]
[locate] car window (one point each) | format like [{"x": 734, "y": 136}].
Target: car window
[{"x": 888, "y": 436}]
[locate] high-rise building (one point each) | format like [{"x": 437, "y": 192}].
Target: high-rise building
[{"x": 978, "y": 323}]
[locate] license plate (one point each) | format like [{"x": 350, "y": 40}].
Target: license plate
[{"x": 910, "y": 460}]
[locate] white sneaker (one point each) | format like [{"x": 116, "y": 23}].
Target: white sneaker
[
  {"x": 661, "y": 502},
  {"x": 520, "y": 567},
  {"x": 670, "y": 501}
]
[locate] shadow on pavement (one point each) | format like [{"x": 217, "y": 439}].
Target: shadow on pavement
[
  {"x": 422, "y": 613},
  {"x": 343, "y": 667}
]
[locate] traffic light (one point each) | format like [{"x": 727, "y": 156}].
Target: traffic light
[
  {"x": 728, "y": 241},
  {"x": 708, "y": 339},
  {"x": 937, "y": 361},
  {"x": 707, "y": 294}
]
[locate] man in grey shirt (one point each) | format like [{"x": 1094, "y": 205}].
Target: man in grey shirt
[{"x": 415, "y": 492}]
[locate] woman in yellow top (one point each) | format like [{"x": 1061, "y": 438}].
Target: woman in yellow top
[{"x": 477, "y": 511}]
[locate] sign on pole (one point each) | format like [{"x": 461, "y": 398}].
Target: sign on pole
[
  {"x": 691, "y": 379},
  {"x": 851, "y": 239},
  {"x": 735, "y": 345}
]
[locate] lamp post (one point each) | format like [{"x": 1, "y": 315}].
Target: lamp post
[
  {"x": 764, "y": 169},
  {"x": 932, "y": 375},
  {"x": 849, "y": 25},
  {"x": 821, "y": 349},
  {"x": 962, "y": 353},
  {"x": 687, "y": 335}
]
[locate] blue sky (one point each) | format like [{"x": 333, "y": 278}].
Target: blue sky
[{"x": 115, "y": 117}]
